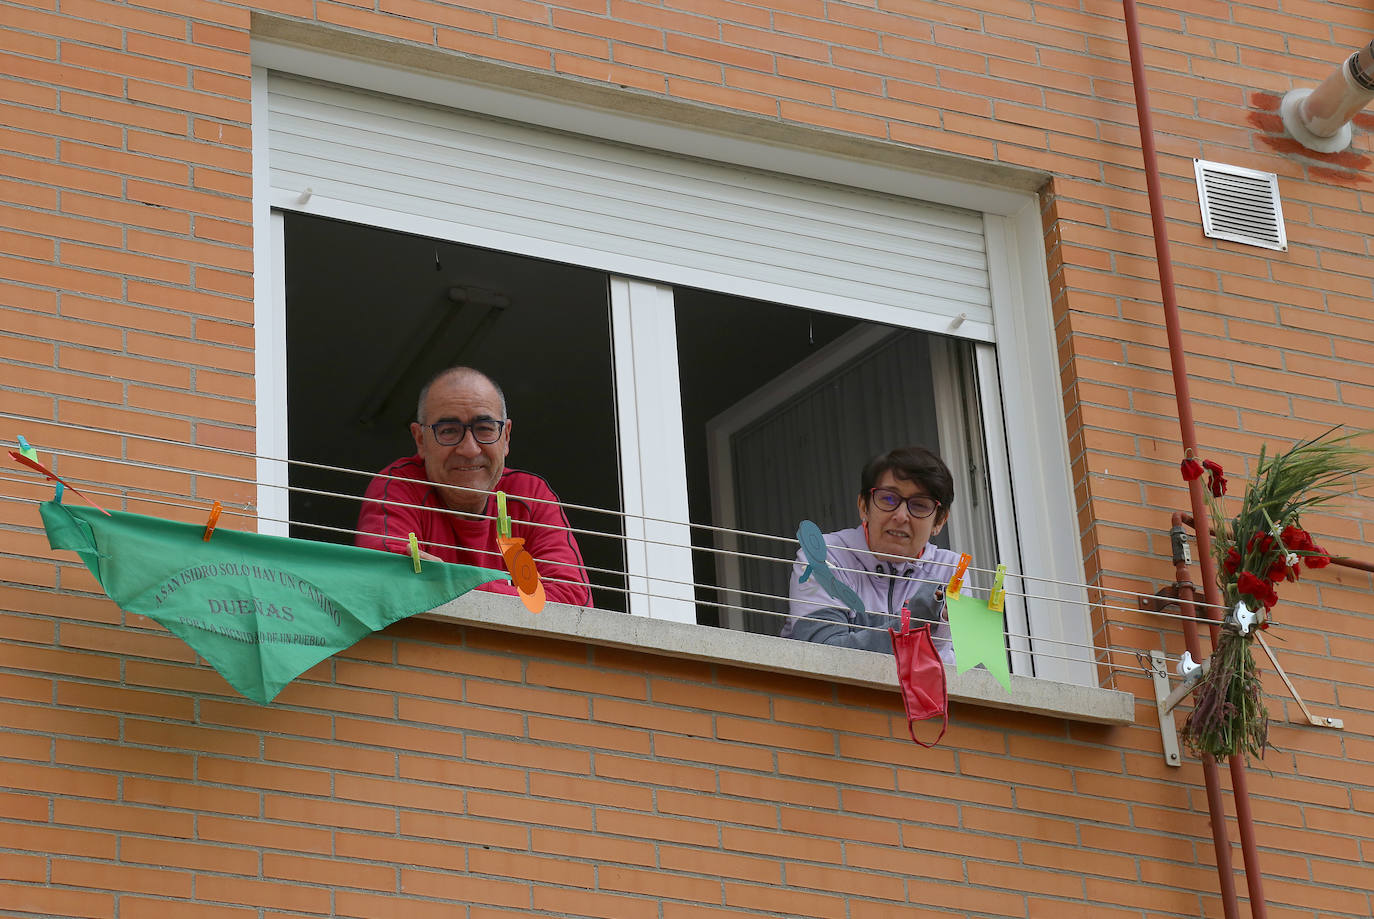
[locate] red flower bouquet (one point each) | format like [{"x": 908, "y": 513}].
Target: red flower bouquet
[{"x": 1259, "y": 548}]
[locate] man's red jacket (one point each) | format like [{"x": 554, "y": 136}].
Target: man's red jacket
[{"x": 385, "y": 524}]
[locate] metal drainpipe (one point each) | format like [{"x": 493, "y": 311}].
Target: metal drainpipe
[
  {"x": 1182, "y": 396},
  {"x": 1319, "y": 119},
  {"x": 1221, "y": 842}
]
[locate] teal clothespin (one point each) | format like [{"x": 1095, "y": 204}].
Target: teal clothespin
[
  {"x": 415, "y": 552},
  {"x": 998, "y": 598},
  {"x": 27, "y": 450},
  {"x": 502, "y": 518}
]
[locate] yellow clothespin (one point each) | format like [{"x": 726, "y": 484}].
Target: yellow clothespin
[
  {"x": 415, "y": 552},
  {"x": 210, "y": 523},
  {"x": 998, "y": 598},
  {"x": 502, "y": 518},
  {"x": 956, "y": 583}
]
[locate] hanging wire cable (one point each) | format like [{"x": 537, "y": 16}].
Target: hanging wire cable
[
  {"x": 727, "y": 606},
  {"x": 98, "y": 491},
  {"x": 597, "y": 533},
  {"x": 1041, "y": 654},
  {"x": 565, "y": 505}
]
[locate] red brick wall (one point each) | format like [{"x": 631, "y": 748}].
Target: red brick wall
[{"x": 434, "y": 769}]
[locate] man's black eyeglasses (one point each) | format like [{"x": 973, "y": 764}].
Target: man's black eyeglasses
[
  {"x": 919, "y": 506},
  {"x": 484, "y": 431}
]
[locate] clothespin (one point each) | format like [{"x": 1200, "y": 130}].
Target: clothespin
[
  {"x": 415, "y": 552},
  {"x": 53, "y": 477},
  {"x": 998, "y": 597},
  {"x": 502, "y": 518},
  {"x": 27, "y": 451},
  {"x": 956, "y": 583},
  {"x": 211, "y": 523}
]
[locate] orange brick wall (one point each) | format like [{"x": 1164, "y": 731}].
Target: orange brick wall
[{"x": 456, "y": 772}]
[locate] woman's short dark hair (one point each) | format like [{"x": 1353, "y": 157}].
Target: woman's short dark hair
[{"x": 911, "y": 464}]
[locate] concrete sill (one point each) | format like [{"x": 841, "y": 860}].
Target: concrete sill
[{"x": 778, "y": 655}]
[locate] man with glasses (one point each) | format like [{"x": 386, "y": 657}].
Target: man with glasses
[
  {"x": 444, "y": 494},
  {"x": 888, "y": 559}
]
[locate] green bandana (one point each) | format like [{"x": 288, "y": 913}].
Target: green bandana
[{"x": 261, "y": 610}]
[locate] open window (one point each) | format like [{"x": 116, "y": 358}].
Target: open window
[{"x": 663, "y": 324}]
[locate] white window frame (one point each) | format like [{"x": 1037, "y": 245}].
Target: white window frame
[
  {"x": 1027, "y": 416},
  {"x": 652, "y": 469}
]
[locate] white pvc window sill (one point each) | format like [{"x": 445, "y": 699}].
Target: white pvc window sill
[{"x": 778, "y": 655}]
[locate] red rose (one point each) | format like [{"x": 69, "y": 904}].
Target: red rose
[
  {"x": 1320, "y": 558},
  {"x": 1231, "y": 563},
  {"x": 1278, "y": 571},
  {"x": 1295, "y": 538},
  {"x": 1216, "y": 478},
  {"x": 1251, "y": 585},
  {"x": 1191, "y": 469},
  {"x": 1260, "y": 542}
]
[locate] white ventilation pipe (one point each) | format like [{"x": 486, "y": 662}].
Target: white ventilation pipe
[{"x": 1319, "y": 119}]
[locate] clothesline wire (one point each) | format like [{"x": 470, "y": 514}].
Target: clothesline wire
[
  {"x": 709, "y": 549},
  {"x": 1042, "y": 654},
  {"x": 96, "y": 490},
  {"x": 613, "y": 572},
  {"x": 1102, "y": 604},
  {"x": 566, "y": 505}
]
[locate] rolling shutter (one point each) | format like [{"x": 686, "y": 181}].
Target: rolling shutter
[{"x": 389, "y": 162}]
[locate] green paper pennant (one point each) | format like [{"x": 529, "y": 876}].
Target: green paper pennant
[
  {"x": 261, "y": 610},
  {"x": 977, "y": 635}
]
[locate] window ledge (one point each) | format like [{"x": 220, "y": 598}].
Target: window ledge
[{"x": 779, "y": 655}]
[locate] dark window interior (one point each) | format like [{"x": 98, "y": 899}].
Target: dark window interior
[
  {"x": 798, "y": 457},
  {"x": 371, "y": 314}
]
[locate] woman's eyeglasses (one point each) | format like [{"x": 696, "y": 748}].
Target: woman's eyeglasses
[{"x": 919, "y": 506}]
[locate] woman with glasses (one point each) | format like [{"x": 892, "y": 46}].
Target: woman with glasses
[{"x": 887, "y": 560}]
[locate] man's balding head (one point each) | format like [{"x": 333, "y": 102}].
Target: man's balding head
[
  {"x": 462, "y": 395},
  {"x": 456, "y": 373}
]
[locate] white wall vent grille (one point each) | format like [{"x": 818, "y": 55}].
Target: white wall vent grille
[{"x": 1240, "y": 205}]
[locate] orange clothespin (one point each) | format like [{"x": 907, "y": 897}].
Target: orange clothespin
[
  {"x": 415, "y": 552},
  {"x": 518, "y": 561},
  {"x": 210, "y": 524},
  {"x": 956, "y": 583},
  {"x": 997, "y": 599},
  {"x": 53, "y": 477}
]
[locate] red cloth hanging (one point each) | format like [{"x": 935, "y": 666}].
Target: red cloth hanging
[{"x": 921, "y": 674}]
